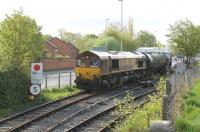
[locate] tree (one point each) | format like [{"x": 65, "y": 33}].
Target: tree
[
  {"x": 86, "y": 42},
  {"x": 184, "y": 37},
  {"x": 129, "y": 43},
  {"x": 146, "y": 39},
  {"x": 21, "y": 44},
  {"x": 46, "y": 37},
  {"x": 109, "y": 42},
  {"x": 69, "y": 36},
  {"x": 21, "y": 41}
]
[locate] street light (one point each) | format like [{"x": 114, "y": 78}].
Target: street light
[
  {"x": 106, "y": 32},
  {"x": 121, "y": 21}
]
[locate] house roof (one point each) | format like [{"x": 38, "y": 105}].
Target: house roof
[
  {"x": 52, "y": 45},
  {"x": 66, "y": 43}
]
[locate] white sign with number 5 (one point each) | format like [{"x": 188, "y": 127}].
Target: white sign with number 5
[{"x": 35, "y": 89}]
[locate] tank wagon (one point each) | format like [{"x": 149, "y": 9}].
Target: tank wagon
[{"x": 98, "y": 70}]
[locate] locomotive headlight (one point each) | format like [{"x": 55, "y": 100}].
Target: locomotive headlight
[{"x": 78, "y": 74}]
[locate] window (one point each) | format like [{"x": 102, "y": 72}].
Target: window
[
  {"x": 115, "y": 64},
  {"x": 140, "y": 63}
]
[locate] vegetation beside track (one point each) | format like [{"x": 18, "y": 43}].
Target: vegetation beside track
[
  {"x": 189, "y": 120},
  {"x": 139, "y": 119},
  {"x": 46, "y": 95},
  {"x": 53, "y": 94}
]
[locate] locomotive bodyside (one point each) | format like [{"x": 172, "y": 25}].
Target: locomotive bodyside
[{"x": 97, "y": 69}]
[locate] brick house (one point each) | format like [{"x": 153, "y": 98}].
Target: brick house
[{"x": 67, "y": 53}]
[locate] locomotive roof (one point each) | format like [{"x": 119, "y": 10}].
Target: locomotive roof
[{"x": 114, "y": 54}]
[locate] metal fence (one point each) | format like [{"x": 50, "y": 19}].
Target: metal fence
[
  {"x": 58, "y": 80},
  {"x": 181, "y": 81}
]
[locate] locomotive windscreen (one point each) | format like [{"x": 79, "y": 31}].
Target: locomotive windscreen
[{"x": 88, "y": 62}]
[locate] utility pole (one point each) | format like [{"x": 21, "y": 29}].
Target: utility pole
[
  {"x": 121, "y": 23},
  {"x": 106, "y": 32}
]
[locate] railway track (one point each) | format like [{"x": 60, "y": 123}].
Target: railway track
[
  {"x": 20, "y": 120},
  {"x": 78, "y": 121},
  {"x": 104, "y": 121},
  {"x": 51, "y": 116}
]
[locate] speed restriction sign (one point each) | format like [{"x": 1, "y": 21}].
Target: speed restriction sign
[{"x": 35, "y": 89}]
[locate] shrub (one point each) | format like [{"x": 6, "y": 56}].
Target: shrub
[{"x": 14, "y": 87}]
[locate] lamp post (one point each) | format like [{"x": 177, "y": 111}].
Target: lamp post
[
  {"x": 106, "y": 32},
  {"x": 121, "y": 22}
]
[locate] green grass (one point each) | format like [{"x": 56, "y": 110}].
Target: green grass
[
  {"x": 189, "y": 121},
  {"x": 46, "y": 95},
  {"x": 53, "y": 94}
]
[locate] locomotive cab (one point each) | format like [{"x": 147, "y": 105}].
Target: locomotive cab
[{"x": 88, "y": 67}]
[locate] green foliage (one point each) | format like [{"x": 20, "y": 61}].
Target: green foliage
[
  {"x": 73, "y": 38},
  {"x": 146, "y": 39},
  {"x": 185, "y": 38},
  {"x": 111, "y": 37},
  {"x": 139, "y": 119},
  {"x": 129, "y": 43},
  {"x": 189, "y": 121},
  {"x": 46, "y": 37},
  {"x": 110, "y": 42},
  {"x": 21, "y": 43},
  {"x": 14, "y": 87}
]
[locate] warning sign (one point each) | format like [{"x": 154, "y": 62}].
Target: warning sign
[
  {"x": 35, "y": 89},
  {"x": 36, "y": 73}
]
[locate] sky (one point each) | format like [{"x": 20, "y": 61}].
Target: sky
[{"x": 89, "y": 16}]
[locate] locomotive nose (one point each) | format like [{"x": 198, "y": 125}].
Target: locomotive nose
[{"x": 88, "y": 73}]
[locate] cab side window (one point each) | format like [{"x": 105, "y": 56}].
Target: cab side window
[{"x": 140, "y": 63}]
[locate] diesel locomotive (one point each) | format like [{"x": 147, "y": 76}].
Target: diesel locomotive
[{"x": 98, "y": 70}]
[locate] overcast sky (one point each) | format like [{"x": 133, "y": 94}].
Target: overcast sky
[{"x": 89, "y": 16}]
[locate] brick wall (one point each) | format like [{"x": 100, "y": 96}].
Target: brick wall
[{"x": 58, "y": 64}]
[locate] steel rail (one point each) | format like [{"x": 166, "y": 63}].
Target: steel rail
[
  {"x": 107, "y": 110},
  {"x": 81, "y": 111},
  {"x": 38, "y": 107},
  {"x": 113, "y": 122},
  {"x": 24, "y": 124}
]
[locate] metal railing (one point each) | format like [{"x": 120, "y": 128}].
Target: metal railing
[{"x": 58, "y": 80}]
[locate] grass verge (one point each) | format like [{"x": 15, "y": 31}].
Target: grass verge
[
  {"x": 189, "y": 120},
  {"x": 46, "y": 95},
  {"x": 53, "y": 94}
]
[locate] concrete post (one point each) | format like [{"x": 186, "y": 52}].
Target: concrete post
[
  {"x": 160, "y": 126},
  {"x": 165, "y": 107}
]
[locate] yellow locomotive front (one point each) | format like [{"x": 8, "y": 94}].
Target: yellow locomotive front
[{"x": 88, "y": 71}]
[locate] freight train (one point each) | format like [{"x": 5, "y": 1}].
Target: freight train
[{"x": 99, "y": 70}]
